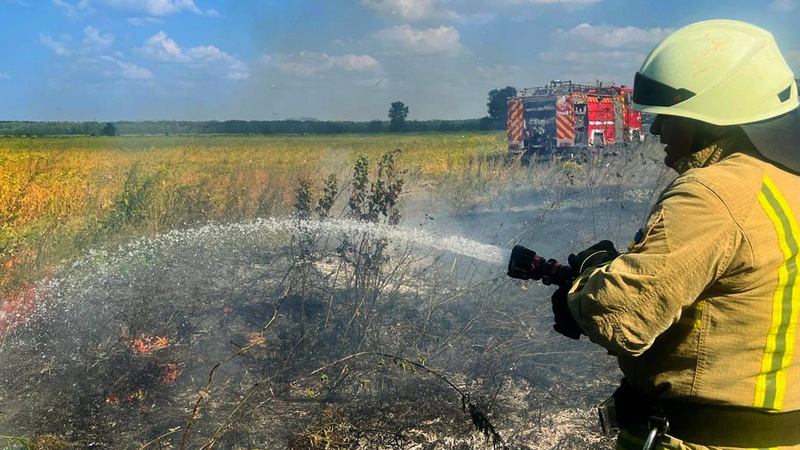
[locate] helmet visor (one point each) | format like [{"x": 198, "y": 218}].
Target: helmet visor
[{"x": 649, "y": 92}]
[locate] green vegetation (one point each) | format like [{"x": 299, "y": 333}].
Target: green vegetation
[
  {"x": 241, "y": 127},
  {"x": 398, "y": 113},
  {"x": 498, "y": 104}
]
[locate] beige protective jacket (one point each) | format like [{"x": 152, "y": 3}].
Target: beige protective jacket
[{"x": 705, "y": 307}]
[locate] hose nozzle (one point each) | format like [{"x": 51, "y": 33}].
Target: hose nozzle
[{"x": 525, "y": 264}]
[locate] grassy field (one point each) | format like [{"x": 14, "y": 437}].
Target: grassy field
[{"x": 59, "y": 195}]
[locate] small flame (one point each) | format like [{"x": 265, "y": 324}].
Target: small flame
[
  {"x": 130, "y": 397},
  {"x": 148, "y": 344},
  {"x": 17, "y": 306}
]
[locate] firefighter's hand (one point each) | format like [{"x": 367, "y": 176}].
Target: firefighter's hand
[
  {"x": 521, "y": 263},
  {"x": 594, "y": 256},
  {"x": 564, "y": 321}
]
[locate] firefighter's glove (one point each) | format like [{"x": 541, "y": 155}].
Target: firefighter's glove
[
  {"x": 596, "y": 255},
  {"x": 521, "y": 263},
  {"x": 564, "y": 321}
]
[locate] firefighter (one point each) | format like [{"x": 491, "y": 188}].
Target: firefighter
[{"x": 703, "y": 310}]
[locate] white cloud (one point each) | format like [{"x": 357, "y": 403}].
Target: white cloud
[
  {"x": 155, "y": 8},
  {"x": 60, "y": 48},
  {"x": 160, "y": 47},
  {"x": 158, "y": 8},
  {"x": 498, "y": 72},
  {"x": 79, "y": 9},
  {"x": 601, "y": 49},
  {"x": 142, "y": 21},
  {"x": 606, "y": 36},
  {"x": 238, "y": 71},
  {"x": 4, "y": 76},
  {"x": 597, "y": 58},
  {"x": 357, "y": 63},
  {"x": 93, "y": 41},
  {"x": 130, "y": 70},
  {"x": 309, "y": 64},
  {"x": 603, "y": 45},
  {"x": 405, "y": 9},
  {"x": 443, "y": 39},
  {"x": 550, "y": 2},
  {"x": 463, "y": 11},
  {"x": 783, "y": 6}
]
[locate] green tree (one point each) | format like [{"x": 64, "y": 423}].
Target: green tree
[
  {"x": 397, "y": 116},
  {"x": 375, "y": 126},
  {"x": 498, "y": 103},
  {"x": 110, "y": 129}
]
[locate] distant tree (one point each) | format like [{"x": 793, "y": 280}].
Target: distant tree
[
  {"x": 486, "y": 124},
  {"x": 375, "y": 126},
  {"x": 397, "y": 116},
  {"x": 110, "y": 129},
  {"x": 498, "y": 103}
]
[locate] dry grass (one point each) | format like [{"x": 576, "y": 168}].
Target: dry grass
[{"x": 58, "y": 195}]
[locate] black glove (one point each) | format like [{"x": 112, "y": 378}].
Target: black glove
[
  {"x": 564, "y": 321},
  {"x": 599, "y": 253}
]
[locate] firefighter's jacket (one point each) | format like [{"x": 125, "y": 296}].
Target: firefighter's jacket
[{"x": 705, "y": 306}]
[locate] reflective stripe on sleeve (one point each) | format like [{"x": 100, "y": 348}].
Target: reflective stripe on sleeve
[{"x": 779, "y": 348}]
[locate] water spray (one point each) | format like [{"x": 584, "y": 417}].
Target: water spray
[
  {"x": 212, "y": 233},
  {"x": 100, "y": 264}
]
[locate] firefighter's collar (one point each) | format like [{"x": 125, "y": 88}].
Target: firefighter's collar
[{"x": 737, "y": 143}]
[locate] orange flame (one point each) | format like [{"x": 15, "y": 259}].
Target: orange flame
[
  {"x": 148, "y": 344},
  {"x": 130, "y": 397},
  {"x": 17, "y": 306}
]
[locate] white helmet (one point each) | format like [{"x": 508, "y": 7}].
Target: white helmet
[{"x": 725, "y": 72}]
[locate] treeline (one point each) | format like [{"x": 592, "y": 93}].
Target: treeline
[{"x": 172, "y": 127}]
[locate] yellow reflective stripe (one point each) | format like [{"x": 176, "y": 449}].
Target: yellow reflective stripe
[
  {"x": 693, "y": 316},
  {"x": 629, "y": 440},
  {"x": 779, "y": 348}
]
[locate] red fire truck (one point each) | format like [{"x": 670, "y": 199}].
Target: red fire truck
[{"x": 564, "y": 118}]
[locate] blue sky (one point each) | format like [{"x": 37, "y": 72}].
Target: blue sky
[{"x": 109, "y": 60}]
